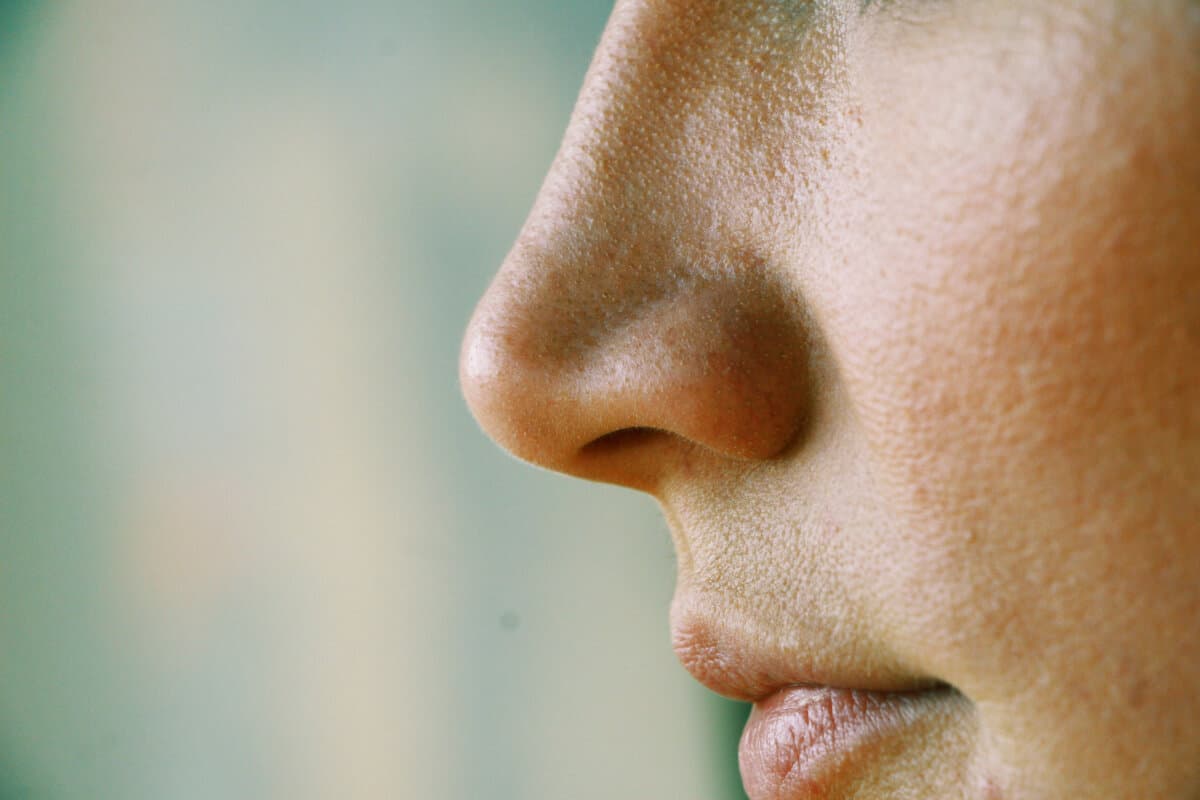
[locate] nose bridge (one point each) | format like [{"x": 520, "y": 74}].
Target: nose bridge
[
  {"x": 636, "y": 298},
  {"x": 666, "y": 120},
  {"x": 632, "y": 166}
]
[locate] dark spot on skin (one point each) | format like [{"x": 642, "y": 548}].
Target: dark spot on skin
[
  {"x": 1137, "y": 694},
  {"x": 510, "y": 621}
]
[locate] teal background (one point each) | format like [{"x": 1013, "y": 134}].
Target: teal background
[{"x": 252, "y": 544}]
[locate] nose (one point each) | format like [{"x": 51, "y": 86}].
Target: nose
[{"x": 644, "y": 319}]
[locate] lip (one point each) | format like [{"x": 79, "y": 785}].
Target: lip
[
  {"x": 812, "y": 728},
  {"x": 736, "y": 663},
  {"x": 802, "y": 741}
]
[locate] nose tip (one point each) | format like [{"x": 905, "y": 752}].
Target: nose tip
[
  {"x": 511, "y": 388},
  {"x": 614, "y": 385}
]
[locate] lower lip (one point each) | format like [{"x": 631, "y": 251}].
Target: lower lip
[{"x": 801, "y": 741}]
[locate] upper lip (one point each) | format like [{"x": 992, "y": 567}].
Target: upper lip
[
  {"x": 726, "y": 661},
  {"x": 730, "y": 669}
]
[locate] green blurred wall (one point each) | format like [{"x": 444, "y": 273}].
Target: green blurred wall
[{"x": 251, "y": 543}]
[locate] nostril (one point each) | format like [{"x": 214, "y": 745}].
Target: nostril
[
  {"x": 621, "y": 440},
  {"x": 636, "y": 457}
]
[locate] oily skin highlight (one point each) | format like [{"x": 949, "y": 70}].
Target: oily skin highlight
[{"x": 896, "y": 311}]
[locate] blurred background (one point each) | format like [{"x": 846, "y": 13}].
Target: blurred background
[{"x": 252, "y": 544}]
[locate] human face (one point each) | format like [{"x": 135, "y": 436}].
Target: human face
[{"x": 895, "y": 309}]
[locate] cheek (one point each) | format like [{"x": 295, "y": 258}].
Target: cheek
[{"x": 1011, "y": 304}]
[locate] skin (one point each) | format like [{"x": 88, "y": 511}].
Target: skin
[{"x": 895, "y": 308}]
